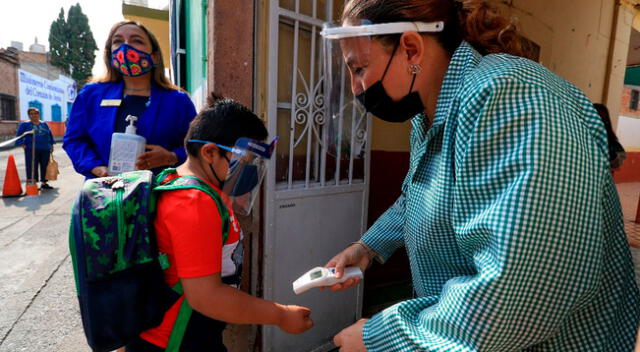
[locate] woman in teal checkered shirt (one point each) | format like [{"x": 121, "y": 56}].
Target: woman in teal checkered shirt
[{"x": 509, "y": 214}]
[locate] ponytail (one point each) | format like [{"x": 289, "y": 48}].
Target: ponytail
[{"x": 486, "y": 30}]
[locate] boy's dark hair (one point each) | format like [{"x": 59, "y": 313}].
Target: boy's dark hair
[{"x": 223, "y": 121}]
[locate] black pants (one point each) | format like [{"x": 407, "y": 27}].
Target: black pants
[
  {"x": 41, "y": 161},
  {"x": 202, "y": 335},
  {"x": 140, "y": 345}
]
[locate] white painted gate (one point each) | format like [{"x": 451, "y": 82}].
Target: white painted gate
[{"x": 316, "y": 195}]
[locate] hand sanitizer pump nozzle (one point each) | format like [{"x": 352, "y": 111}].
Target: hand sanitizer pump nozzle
[
  {"x": 131, "y": 128},
  {"x": 125, "y": 148}
]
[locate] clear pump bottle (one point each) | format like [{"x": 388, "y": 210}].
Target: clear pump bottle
[{"x": 125, "y": 148}]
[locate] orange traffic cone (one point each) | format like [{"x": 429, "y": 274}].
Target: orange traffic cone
[{"x": 12, "y": 186}]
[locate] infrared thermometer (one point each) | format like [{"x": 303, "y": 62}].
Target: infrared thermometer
[{"x": 320, "y": 276}]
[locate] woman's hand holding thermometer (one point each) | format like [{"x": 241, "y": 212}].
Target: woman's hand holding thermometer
[
  {"x": 356, "y": 256},
  {"x": 321, "y": 277}
]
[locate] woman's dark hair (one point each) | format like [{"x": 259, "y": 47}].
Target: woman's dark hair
[
  {"x": 471, "y": 20},
  {"x": 606, "y": 120},
  {"x": 223, "y": 121},
  {"x": 112, "y": 75}
]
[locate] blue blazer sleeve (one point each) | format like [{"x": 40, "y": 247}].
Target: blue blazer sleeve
[
  {"x": 76, "y": 141},
  {"x": 22, "y": 128}
]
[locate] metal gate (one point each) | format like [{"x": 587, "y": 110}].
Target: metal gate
[{"x": 317, "y": 186}]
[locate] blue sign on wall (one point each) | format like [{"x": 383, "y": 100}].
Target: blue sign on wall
[{"x": 46, "y": 94}]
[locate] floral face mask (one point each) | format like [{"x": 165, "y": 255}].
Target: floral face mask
[{"x": 131, "y": 61}]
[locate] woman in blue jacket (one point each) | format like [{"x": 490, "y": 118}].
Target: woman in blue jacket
[
  {"x": 38, "y": 157},
  {"x": 134, "y": 84}
]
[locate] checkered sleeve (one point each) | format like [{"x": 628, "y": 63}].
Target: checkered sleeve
[
  {"x": 527, "y": 212},
  {"x": 387, "y": 234}
]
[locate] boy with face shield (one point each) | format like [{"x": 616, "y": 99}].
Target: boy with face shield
[{"x": 225, "y": 152}]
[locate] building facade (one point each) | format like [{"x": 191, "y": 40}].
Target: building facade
[
  {"x": 28, "y": 80},
  {"x": 9, "y": 109}
]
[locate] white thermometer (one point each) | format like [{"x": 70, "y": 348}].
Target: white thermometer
[{"x": 320, "y": 276}]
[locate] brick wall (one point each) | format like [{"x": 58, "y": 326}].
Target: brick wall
[
  {"x": 8, "y": 76},
  {"x": 27, "y": 56},
  {"x": 9, "y": 65},
  {"x": 8, "y": 129},
  {"x": 230, "y": 68}
]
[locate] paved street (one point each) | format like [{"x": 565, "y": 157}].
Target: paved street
[{"x": 38, "y": 308}]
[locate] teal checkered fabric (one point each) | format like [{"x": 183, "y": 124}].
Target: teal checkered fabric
[{"x": 511, "y": 221}]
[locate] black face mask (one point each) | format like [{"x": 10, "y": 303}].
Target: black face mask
[
  {"x": 376, "y": 100},
  {"x": 220, "y": 181}
]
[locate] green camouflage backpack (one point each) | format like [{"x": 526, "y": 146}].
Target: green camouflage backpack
[{"x": 117, "y": 267}]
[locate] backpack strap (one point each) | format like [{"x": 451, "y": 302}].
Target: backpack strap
[
  {"x": 189, "y": 182},
  {"x": 180, "y": 325}
]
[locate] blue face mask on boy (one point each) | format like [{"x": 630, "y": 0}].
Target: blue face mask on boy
[
  {"x": 247, "y": 168},
  {"x": 246, "y": 182}
]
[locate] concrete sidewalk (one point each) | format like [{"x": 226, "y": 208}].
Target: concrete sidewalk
[
  {"x": 18, "y": 155},
  {"x": 38, "y": 307}
]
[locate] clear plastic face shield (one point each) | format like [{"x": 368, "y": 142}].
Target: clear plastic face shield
[
  {"x": 247, "y": 168},
  {"x": 347, "y": 54}
]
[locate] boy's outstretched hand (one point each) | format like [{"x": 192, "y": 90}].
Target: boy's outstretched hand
[{"x": 295, "y": 319}]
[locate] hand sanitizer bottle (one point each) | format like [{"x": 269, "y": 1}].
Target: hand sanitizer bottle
[{"x": 125, "y": 148}]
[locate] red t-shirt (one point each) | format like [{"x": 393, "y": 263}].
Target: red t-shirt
[{"x": 189, "y": 230}]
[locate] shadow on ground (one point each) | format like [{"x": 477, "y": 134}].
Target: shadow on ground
[{"x": 32, "y": 203}]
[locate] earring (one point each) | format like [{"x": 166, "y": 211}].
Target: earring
[{"x": 415, "y": 69}]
